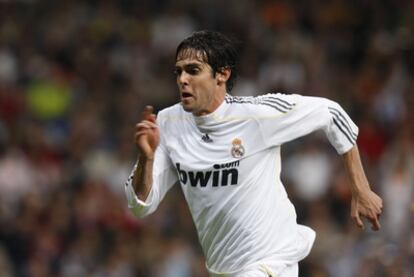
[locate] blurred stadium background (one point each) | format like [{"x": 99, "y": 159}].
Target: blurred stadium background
[{"x": 74, "y": 76}]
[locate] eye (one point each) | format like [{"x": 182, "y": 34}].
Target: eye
[
  {"x": 193, "y": 70},
  {"x": 177, "y": 72}
]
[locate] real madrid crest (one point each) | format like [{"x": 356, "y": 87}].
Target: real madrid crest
[{"x": 237, "y": 151}]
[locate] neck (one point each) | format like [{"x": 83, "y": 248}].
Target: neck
[{"x": 215, "y": 103}]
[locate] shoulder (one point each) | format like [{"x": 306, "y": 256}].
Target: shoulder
[{"x": 262, "y": 104}]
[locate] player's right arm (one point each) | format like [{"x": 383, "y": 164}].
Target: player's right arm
[
  {"x": 153, "y": 174},
  {"x": 147, "y": 139}
]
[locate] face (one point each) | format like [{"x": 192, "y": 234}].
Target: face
[{"x": 201, "y": 92}]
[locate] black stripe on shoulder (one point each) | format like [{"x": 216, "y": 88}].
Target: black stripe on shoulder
[
  {"x": 337, "y": 112},
  {"x": 339, "y": 116},
  {"x": 339, "y": 121},
  {"x": 273, "y": 96},
  {"x": 276, "y": 101},
  {"x": 240, "y": 100},
  {"x": 273, "y": 106},
  {"x": 273, "y": 102},
  {"x": 342, "y": 130},
  {"x": 281, "y": 108}
]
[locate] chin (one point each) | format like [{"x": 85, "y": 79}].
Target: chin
[{"x": 187, "y": 108}]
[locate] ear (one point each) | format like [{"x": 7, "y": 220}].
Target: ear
[{"x": 223, "y": 74}]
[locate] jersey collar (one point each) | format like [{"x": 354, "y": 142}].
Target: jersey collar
[{"x": 209, "y": 121}]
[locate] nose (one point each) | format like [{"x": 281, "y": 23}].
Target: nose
[{"x": 182, "y": 79}]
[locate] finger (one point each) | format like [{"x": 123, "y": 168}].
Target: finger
[
  {"x": 141, "y": 133},
  {"x": 379, "y": 212},
  {"x": 147, "y": 130},
  {"x": 152, "y": 118},
  {"x": 358, "y": 220},
  {"x": 142, "y": 126},
  {"x": 146, "y": 124},
  {"x": 146, "y": 114},
  {"x": 375, "y": 224}
]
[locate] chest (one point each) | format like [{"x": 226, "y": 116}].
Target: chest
[{"x": 207, "y": 149}]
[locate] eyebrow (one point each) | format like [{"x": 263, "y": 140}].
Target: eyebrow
[{"x": 188, "y": 65}]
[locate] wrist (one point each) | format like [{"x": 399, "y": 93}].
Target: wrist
[
  {"x": 358, "y": 190},
  {"x": 145, "y": 158}
]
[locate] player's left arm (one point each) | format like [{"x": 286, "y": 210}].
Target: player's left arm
[
  {"x": 364, "y": 203},
  {"x": 303, "y": 115}
]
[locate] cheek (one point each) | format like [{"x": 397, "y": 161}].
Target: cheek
[
  {"x": 207, "y": 90},
  {"x": 200, "y": 88}
]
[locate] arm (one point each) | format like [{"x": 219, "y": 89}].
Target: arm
[
  {"x": 303, "y": 115},
  {"x": 142, "y": 177},
  {"x": 308, "y": 114},
  {"x": 147, "y": 138},
  {"x": 364, "y": 203},
  {"x": 153, "y": 174}
]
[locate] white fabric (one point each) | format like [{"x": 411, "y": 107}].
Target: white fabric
[{"x": 243, "y": 216}]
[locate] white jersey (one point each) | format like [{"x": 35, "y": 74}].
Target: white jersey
[{"x": 228, "y": 166}]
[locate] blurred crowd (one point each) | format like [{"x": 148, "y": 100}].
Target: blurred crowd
[{"x": 75, "y": 75}]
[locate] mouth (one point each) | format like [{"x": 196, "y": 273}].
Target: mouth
[{"x": 186, "y": 95}]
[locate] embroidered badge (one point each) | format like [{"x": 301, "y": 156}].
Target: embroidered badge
[{"x": 237, "y": 151}]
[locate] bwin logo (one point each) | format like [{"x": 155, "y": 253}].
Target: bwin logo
[{"x": 221, "y": 175}]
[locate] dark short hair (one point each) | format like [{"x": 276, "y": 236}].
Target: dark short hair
[{"x": 219, "y": 51}]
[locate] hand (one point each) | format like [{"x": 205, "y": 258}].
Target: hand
[
  {"x": 369, "y": 205},
  {"x": 147, "y": 134}
]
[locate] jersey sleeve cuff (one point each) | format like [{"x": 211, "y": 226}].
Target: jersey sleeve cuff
[{"x": 139, "y": 207}]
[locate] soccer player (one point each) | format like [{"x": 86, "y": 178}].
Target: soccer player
[{"x": 225, "y": 153}]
